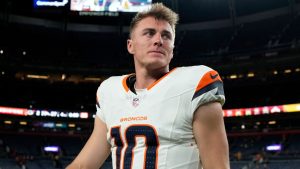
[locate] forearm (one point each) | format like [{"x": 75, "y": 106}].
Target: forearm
[
  {"x": 214, "y": 152},
  {"x": 90, "y": 159},
  {"x": 84, "y": 161},
  {"x": 95, "y": 151}
]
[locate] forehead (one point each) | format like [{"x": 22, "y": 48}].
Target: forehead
[{"x": 151, "y": 22}]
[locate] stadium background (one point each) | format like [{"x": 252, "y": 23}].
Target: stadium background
[{"x": 52, "y": 60}]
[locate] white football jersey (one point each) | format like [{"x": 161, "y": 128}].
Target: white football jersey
[{"x": 153, "y": 128}]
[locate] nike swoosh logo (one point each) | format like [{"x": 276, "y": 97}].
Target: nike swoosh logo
[{"x": 214, "y": 76}]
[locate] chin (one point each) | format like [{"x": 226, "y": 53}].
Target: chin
[{"x": 158, "y": 65}]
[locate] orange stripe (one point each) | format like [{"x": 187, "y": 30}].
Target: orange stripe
[
  {"x": 153, "y": 84},
  {"x": 207, "y": 79},
  {"x": 125, "y": 84}
]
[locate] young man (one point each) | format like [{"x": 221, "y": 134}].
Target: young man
[{"x": 156, "y": 118}]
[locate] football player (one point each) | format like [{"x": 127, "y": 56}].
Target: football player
[{"x": 158, "y": 118}]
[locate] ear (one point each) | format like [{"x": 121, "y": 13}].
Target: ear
[{"x": 130, "y": 46}]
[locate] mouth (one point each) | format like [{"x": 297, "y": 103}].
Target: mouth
[{"x": 157, "y": 52}]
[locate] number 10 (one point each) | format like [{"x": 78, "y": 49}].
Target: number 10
[{"x": 133, "y": 131}]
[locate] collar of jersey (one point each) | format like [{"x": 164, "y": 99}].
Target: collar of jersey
[{"x": 129, "y": 80}]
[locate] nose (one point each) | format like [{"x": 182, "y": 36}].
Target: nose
[{"x": 158, "y": 41}]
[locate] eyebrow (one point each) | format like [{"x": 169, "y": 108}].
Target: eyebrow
[
  {"x": 148, "y": 29},
  {"x": 167, "y": 32},
  {"x": 152, "y": 29}
]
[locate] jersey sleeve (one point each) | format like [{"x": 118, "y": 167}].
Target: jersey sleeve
[
  {"x": 209, "y": 89},
  {"x": 100, "y": 97}
]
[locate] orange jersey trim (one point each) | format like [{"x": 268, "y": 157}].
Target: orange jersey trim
[
  {"x": 124, "y": 82},
  {"x": 207, "y": 79},
  {"x": 153, "y": 84},
  {"x": 149, "y": 87}
]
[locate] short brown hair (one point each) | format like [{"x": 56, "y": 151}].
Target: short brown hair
[{"x": 158, "y": 11}]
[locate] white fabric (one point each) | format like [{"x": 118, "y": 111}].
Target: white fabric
[{"x": 168, "y": 109}]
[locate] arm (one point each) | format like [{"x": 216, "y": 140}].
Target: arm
[
  {"x": 210, "y": 135},
  {"x": 95, "y": 151}
]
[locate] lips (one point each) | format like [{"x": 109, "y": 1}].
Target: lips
[{"x": 157, "y": 51}]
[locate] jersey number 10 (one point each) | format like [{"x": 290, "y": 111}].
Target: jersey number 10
[{"x": 133, "y": 131}]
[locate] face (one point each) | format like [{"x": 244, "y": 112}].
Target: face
[{"x": 152, "y": 44}]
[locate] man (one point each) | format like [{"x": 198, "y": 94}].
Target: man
[{"x": 156, "y": 118}]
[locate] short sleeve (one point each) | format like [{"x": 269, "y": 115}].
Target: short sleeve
[
  {"x": 209, "y": 89},
  {"x": 99, "y": 103}
]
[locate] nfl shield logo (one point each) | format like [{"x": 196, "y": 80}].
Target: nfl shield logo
[{"x": 135, "y": 102}]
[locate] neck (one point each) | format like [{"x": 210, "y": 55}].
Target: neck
[{"x": 145, "y": 78}]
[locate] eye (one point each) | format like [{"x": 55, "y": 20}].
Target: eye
[
  {"x": 166, "y": 36},
  {"x": 149, "y": 33}
]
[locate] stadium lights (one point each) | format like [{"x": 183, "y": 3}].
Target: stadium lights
[
  {"x": 51, "y": 148},
  {"x": 287, "y": 71},
  {"x": 72, "y": 125},
  {"x": 37, "y": 76},
  {"x": 272, "y": 122},
  {"x": 92, "y": 79},
  {"x": 251, "y": 111},
  {"x": 59, "y": 125},
  {"x": 234, "y": 76},
  {"x": 7, "y": 122},
  {"x": 250, "y": 74},
  {"x": 96, "y": 79},
  {"x": 63, "y": 76},
  {"x": 274, "y": 147},
  {"x": 23, "y": 123}
]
